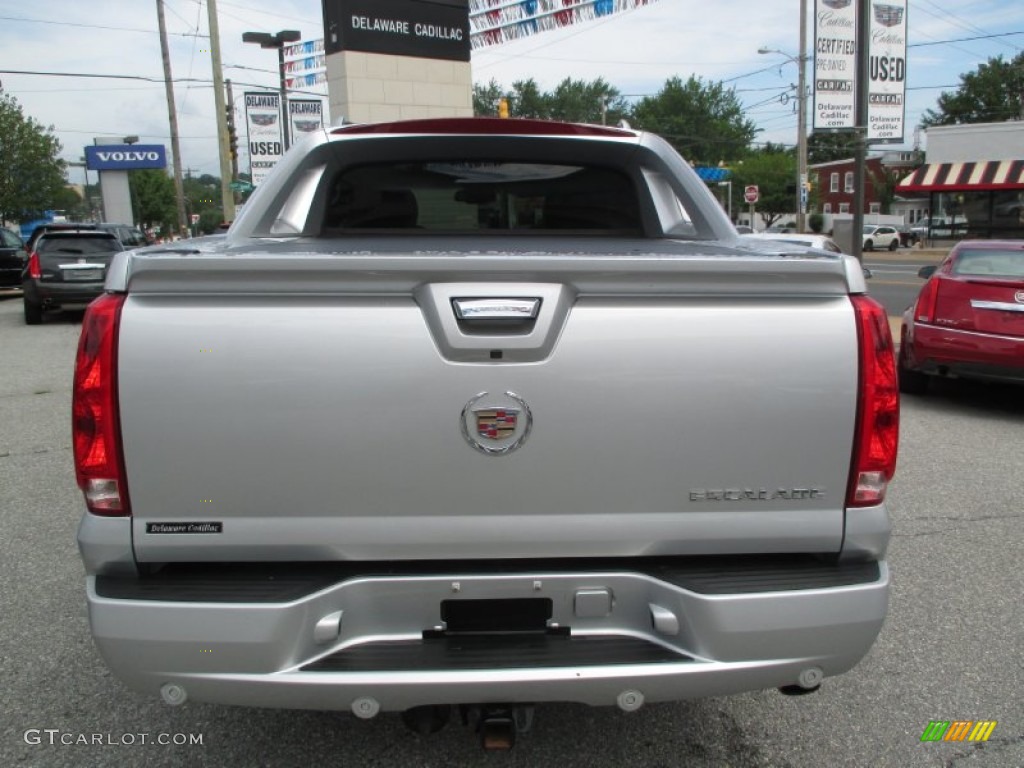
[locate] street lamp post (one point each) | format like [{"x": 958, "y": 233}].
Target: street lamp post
[
  {"x": 801, "y": 121},
  {"x": 278, "y": 41},
  {"x": 728, "y": 192}
]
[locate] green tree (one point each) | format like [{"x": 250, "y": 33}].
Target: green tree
[
  {"x": 577, "y": 101},
  {"x": 152, "y": 194},
  {"x": 485, "y": 98},
  {"x": 72, "y": 203},
  {"x": 31, "y": 170},
  {"x": 884, "y": 184},
  {"x": 704, "y": 121},
  {"x": 202, "y": 199},
  {"x": 826, "y": 147},
  {"x": 993, "y": 93},
  {"x": 526, "y": 100},
  {"x": 773, "y": 170}
]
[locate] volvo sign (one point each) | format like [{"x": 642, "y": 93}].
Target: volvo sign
[{"x": 125, "y": 157}]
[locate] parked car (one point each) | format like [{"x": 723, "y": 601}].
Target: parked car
[
  {"x": 12, "y": 258},
  {"x": 129, "y": 235},
  {"x": 908, "y": 237},
  {"x": 939, "y": 226},
  {"x": 66, "y": 268},
  {"x": 968, "y": 320},
  {"x": 875, "y": 236},
  {"x": 809, "y": 240}
]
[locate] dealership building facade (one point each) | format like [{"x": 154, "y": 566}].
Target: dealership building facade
[{"x": 973, "y": 177}]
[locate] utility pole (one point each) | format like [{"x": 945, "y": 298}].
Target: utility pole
[
  {"x": 861, "y": 127},
  {"x": 226, "y": 193},
  {"x": 232, "y": 131},
  {"x": 172, "y": 112},
  {"x": 801, "y": 125}
]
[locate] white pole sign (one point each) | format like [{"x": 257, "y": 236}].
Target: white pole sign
[
  {"x": 263, "y": 123},
  {"x": 306, "y": 115},
  {"x": 887, "y": 69},
  {"x": 835, "y": 65}
]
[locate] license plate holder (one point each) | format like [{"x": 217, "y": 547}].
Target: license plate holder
[{"x": 83, "y": 274}]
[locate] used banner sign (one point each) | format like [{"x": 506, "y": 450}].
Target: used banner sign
[
  {"x": 263, "y": 124},
  {"x": 887, "y": 71}
]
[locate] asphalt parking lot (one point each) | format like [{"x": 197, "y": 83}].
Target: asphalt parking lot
[{"x": 952, "y": 647}]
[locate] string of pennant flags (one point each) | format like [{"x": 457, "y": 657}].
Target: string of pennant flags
[{"x": 492, "y": 22}]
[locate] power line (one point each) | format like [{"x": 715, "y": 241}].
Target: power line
[
  {"x": 966, "y": 39},
  {"x": 96, "y": 26}
]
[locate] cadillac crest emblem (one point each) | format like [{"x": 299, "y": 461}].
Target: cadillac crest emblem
[{"x": 496, "y": 424}]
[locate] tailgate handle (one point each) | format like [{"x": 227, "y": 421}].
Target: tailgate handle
[
  {"x": 489, "y": 310},
  {"x": 496, "y": 315}
]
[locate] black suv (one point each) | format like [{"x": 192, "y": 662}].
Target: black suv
[
  {"x": 129, "y": 235},
  {"x": 12, "y": 259},
  {"x": 66, "y": 267}
]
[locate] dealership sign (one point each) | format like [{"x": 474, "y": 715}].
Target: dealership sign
[
  {"x": 887, "y": 70},
  {"x": 125, "y": 157},
  {"x": 835, "y": 64},
  {"x": 305, "y": 116},
  {"x": 431, "y": 30},
  {"x": 837, "y": 84},
  {"x": 263, "y": 125}
]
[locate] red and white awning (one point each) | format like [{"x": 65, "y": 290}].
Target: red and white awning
[{"x": 961, "y": 177}]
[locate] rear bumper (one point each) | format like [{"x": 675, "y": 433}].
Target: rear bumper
[
  {"x": 60, "y": 294},
  {"x": 943, "y": 351},
  {"x": 701, "y": 627}
]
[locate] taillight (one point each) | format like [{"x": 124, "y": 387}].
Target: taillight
[
  {"x": 924, "y": 310},
  {"x": 878, "y": 408},
  {"x": 34, "y": 270},
  {"x": 95, "y": 428}
]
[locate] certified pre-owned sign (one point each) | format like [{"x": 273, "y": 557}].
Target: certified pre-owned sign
[{"x": 125, "y": 157}]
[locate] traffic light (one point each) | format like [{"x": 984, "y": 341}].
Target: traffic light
[{"x": 503, "y": 107}]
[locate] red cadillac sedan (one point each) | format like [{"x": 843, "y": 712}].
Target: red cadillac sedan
[{"x": 968, "y": 320}]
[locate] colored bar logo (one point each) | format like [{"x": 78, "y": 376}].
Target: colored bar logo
[{"x": 958, "y": 730}]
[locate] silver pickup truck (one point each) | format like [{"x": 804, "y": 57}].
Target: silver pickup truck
[{"x": 483, "y": 413}]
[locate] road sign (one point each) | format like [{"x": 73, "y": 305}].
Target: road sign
[
  {"x": 750, "y": 193},
  {"x": 195, "y": 218},
  {"x": 241, "y": 186}
]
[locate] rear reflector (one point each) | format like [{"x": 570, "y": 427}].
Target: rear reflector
[
  {"x": 878, "y": 409},
  {"x": 95, "y": 428}
]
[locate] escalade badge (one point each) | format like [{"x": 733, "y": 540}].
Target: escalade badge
[{"x": 496, "y": 424}]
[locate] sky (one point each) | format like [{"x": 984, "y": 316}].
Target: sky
[{"x": 61, "y": 41}]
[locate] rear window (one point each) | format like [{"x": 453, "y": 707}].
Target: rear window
[
  {"x": 57, "y": 242},
  {"x": 990, "y": 262},
  {"x": 482, "y": 197},
  {"x": 9, "y": 239}
]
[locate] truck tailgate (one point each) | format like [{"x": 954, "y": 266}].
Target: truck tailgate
[{"x": 672, "y": 409}]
